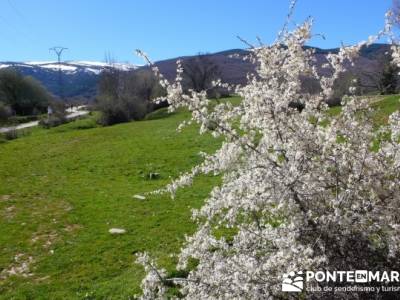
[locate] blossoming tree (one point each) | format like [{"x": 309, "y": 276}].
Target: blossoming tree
[{"x": 301, "y": 189}]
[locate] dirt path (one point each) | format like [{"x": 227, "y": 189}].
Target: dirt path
[{"x": 74, "y": 114}]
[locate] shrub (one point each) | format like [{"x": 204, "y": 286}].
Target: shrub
[
  {"x": 53, "y": 120},
  {"x": 125, "y": 96},
  {"x": 5, "y": 112},
  {"x": 24, "y": 95},
  {"x": 22, "y": 119},
  {"x": 120, "y": 110},
  {"x": 296, "y": 194},
  {"x": 13, "y": 134}
]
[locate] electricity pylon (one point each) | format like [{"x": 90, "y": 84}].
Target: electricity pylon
[{"x": 58, "y": 51}]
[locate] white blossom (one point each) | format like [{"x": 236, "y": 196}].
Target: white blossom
[{"x": 301, "y": 189}]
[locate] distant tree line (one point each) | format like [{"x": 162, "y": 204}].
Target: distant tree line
[{"x": 21, "y": 95}]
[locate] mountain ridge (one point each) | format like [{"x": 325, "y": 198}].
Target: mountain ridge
[{"x": 80, "y": 77}]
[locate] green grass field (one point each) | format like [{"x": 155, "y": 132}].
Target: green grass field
[{"x": 62, "y": 189}]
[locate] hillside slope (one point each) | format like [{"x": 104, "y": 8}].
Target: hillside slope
[
  {"x": 234, "y": 69},
  {"x": 62, "y": 189}
]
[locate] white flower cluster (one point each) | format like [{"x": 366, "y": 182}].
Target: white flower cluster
[
  {"x": 301, "y": 189},
  {"x": 152, "y": 285}
]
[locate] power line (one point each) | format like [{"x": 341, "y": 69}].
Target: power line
[
  {"x": 16, "y": 10},
  {"x": 17, "y": 31},
  {"x": 22, "y": 17}
]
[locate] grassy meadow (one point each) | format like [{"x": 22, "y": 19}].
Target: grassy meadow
[{"x": 62, "y": 189}]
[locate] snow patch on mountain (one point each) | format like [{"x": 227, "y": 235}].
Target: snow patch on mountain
[
  {"x": 62, "y": 67},
  {"x": 70, "y": 67}
]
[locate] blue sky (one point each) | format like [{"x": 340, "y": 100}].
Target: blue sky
[{"x": 166, "y": 29}]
